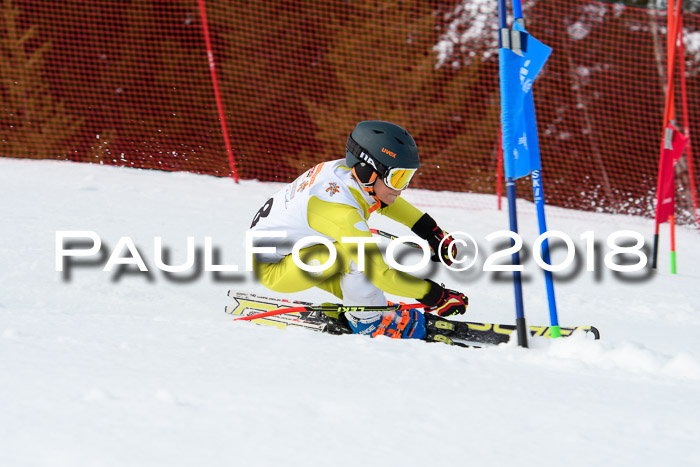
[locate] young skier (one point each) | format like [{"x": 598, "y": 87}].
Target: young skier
[{"x": 334, "y": 200}]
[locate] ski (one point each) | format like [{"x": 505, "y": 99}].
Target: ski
[
  {"x": 313, "y": 318},
  {"x": 326, "y": 318},
  {"x": 329, "y": 308}
]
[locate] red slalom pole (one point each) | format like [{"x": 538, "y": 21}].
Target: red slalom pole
[
  {"x": 686, "y": 124},
  {"x": 499, "y": 170},
  {"x": 672, "y": 224},
  {"x": 300, "y": 309},
  {"x": 217, "y": 93},
  {"x": 669, "y": 109}
]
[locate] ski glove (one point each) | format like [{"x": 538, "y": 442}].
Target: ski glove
[
  {"x": 444, "y": 302},
  {"x": 427, "y": 229}
]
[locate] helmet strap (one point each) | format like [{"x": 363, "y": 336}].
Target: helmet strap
[
  {"x": 379, "y": 204},
  {"x": 369, "y": 188}
]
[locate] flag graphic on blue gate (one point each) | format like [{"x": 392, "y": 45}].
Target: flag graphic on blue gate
[{"x": 521, "y": 149}]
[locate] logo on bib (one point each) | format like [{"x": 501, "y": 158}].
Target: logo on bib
[{"x": 332, "y": 188}]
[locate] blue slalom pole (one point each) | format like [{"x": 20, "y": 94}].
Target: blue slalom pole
[
  {"x": 502, "y": 23},
  {"x": 518, "y": 11},
  {"x": 521, "y": 327},
  {"x": 538, "y": 193}
]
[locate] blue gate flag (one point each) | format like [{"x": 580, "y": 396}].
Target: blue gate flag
[{"x": 521, "y": 151}]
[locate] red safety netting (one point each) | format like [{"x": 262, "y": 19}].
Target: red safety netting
[{"x": 128, "y": 83}]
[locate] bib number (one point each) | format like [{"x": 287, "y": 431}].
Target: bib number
[{"x": 263, "y": 212}]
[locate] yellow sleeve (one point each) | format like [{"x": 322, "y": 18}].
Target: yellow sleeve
[
  {"x": 402, "y": 211},
  {"x": 341, "y": 220}
]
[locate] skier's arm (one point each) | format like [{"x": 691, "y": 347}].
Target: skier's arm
[
  {"x": 402, "y": 211},
  {"x": 341, "y": 220},
  {"x": 424, "y": 226}
]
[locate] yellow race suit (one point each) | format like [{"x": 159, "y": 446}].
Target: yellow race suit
[{"x": 327, "y": 201}]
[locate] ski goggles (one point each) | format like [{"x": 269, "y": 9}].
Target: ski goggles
[{"x": 397, "y": 178}]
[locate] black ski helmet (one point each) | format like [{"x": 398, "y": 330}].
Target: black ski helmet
[{"x": 381, "y": 145}]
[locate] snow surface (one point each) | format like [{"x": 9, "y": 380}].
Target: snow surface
[{"x": 126, "y": 368}]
